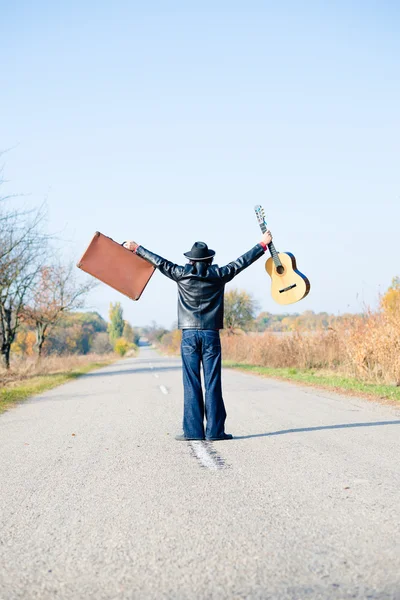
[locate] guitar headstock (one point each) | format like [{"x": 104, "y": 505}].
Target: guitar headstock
[{"x": 260, "y": 214}]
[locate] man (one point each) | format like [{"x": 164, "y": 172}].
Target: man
[{"x": 200, "y": 316}]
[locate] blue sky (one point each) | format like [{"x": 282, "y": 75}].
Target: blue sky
[{"x": 166, "y": 122}]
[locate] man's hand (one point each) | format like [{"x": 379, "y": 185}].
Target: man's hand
[
  {"x": 131, "y": 246},
  {"x": 267, "y": 237}
]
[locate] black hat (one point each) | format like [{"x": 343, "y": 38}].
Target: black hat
[{"x": 199, "y": 251}]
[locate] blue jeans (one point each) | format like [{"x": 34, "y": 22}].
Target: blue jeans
[{"x": 202, "y": 346}]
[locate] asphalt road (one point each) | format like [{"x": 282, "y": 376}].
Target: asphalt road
[{"x": 99, "y": 501}]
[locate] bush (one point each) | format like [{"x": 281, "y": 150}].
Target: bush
[
  {"x": 101, "y": 344},
  {"x": 122, "y": 346}
]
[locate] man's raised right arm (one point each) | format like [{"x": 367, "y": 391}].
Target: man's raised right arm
[{"x": 229, "y": 271}]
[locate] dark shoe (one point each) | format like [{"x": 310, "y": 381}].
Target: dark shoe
[
  {"x": 226, "y": 436},
  {"x": 183, "y": 438}
]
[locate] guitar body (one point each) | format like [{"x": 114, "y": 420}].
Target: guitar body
[{"x": 288, "y": 285}]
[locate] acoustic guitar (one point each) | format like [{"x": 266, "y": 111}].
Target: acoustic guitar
[{"x": 288, "y": 285}]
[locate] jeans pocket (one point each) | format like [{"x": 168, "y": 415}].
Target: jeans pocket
[
  {"x": 212, "y": 349},
  {"x": 189, "y": 342},
  {"x": 211, "y": 334},
  {"x": 188, "y": 348},
  {"x": 212, "y": 339}
]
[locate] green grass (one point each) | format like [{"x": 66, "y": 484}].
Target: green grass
[
  {"x": 39, "y": 384},
  {"x": 324, "y": 380}
]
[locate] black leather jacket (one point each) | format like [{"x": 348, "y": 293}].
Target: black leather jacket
[{"x": 201, "y": 287}]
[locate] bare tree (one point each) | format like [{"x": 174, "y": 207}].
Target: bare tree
[
  {"x": 56, "y": 292},
  {"x": 23, "y": 249}
]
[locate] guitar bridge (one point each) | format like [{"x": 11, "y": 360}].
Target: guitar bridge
[{"x": 286, "y": 289}]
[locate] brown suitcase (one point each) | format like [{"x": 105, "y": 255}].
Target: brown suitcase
[{"x": 116, "y": 266}]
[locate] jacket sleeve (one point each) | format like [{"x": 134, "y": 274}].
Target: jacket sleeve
[
  {"x": 233, "y": 268},
  {"x": 166, "y": 267}
]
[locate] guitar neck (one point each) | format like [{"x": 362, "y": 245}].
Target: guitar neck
[{"x": 271, "y": 247}]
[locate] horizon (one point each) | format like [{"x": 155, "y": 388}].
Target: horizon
[{"x": 156, "y": 325}]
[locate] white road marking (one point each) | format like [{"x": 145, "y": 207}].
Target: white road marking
[
  {"x": 205, "y": 457},
  {"x": 163, "y": 389},
  {"x": 156, "y": 376}
]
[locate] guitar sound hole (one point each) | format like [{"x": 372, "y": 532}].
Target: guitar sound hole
[{"x": 280, "y": 270}]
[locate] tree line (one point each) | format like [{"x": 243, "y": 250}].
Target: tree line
[{"x": 241, "y": 313}]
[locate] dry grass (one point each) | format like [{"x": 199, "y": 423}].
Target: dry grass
[
  {"x": 23, "y": 369},
  {"x": 297, "y": 350},
  {"x": 367, "y": 348},
  {"x": 372, "y": 347}
]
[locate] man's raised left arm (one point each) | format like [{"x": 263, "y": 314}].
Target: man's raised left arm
[{"x": 165, "y": 266}]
